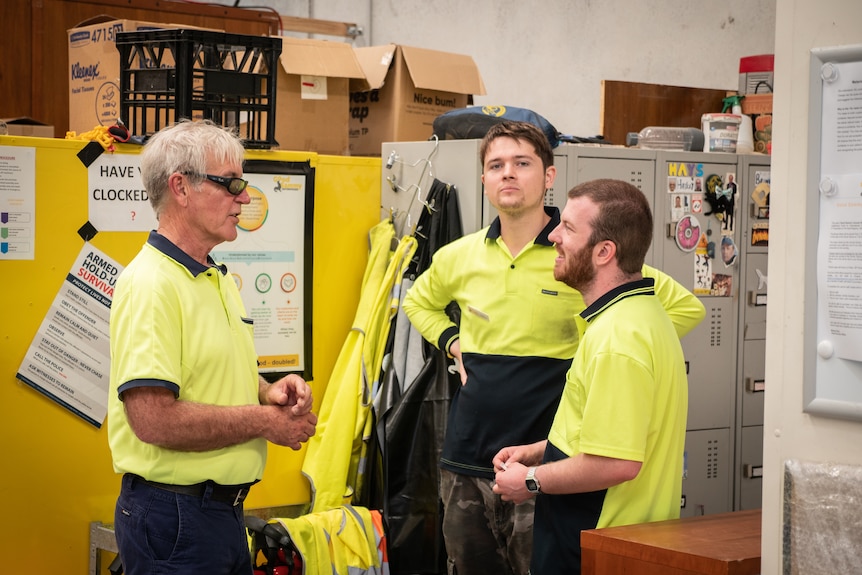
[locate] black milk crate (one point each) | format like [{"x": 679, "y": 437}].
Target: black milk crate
[{"x": 168, "y": 75}]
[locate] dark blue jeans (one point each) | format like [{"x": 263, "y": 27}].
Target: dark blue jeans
[{"x": 160, "y": 532}]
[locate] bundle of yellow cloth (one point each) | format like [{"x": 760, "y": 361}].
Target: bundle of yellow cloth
[{"x": 345, "y": 540}]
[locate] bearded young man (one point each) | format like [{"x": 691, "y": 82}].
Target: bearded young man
[{"x": 614, "y": 454}]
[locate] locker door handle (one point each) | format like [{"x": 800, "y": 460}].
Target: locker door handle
[
  {"x": 756, "y": 299},
  {"x": 757, "y": 212},
  {"x": 755, "y": 385},
  {"x": 752, "y": 471}
]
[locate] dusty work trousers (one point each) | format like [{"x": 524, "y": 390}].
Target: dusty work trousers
[{"x": 483, "y": 533}]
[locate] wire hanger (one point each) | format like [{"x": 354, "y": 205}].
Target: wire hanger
[{"x": 427, "y": 171}]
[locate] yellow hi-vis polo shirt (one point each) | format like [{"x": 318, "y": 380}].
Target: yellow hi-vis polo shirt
[
  {"x": 181, "y": 325},
  {"x": 626, "y": 397}
]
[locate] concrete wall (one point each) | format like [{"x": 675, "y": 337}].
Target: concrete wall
[{"x": 551, "y": 56}]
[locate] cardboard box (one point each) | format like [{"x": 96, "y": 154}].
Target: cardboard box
[
  {"x": 24, "y": 126},
  {"x": 312, "y": 107},
  {"x": 406, "y": 88},
  {"x": 94, "y": 69}
]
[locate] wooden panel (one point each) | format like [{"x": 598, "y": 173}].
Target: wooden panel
[
  {"x": 15, "y": 47},
  {"x": 725, "y": 543},
  {"x": 34, "y": 77},
  {"x": 631, "y": 107}
]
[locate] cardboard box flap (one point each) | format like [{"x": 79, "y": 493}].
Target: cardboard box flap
[
  {"x": 98, "y": 19},
  {"x": 23, "y": 121},
  {"x": 319, "y": 58},
  {"x": 25, "y": 126},
  {"x": 443, "y": 71},
  {"x": 375, "y": 62}
]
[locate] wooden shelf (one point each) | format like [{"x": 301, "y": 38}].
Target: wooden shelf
[{"x": 631, "y": 107}]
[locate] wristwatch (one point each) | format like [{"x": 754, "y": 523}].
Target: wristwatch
[{"x": 532, "y": 481}]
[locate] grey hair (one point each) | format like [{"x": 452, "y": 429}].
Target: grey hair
[{"x": 185, "y": 147}]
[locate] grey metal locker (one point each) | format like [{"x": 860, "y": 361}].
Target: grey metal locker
[
  {"x": 585, "y": 163},
  {"x": 751, "y": 380},
  {"x": 706, "y": 473},
  {"x": 556, "y": 195},
  {"x": 752, "y": 383},
  {"x": 693, "y": 176},
  {"x": 688, "y": 248},
  {"x": 756, "y": 170},
  {"x": 710, "y": 358},
  {"x": 592, "y": 162},
  {"x": 751, "y": 468},
  {"x": 754, "y": 297},
  {"x": 754, "y": 245}
]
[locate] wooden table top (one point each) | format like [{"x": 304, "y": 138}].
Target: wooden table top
[{"x": 720, "y": 543}]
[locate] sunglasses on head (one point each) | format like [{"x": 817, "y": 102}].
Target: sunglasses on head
[{"x": 234, "y": 186}]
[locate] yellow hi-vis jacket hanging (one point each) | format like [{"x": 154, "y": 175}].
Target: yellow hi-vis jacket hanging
[{"x": 334, "y": 460}]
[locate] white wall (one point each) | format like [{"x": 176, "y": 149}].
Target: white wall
[
  {"x": 551, "y": 55},
  {"x": 788, "y": 432}
]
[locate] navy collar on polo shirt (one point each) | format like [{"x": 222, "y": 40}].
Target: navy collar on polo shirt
[
  {"x": 494, "y": 230},
  {"x": 170, "y": 249}
]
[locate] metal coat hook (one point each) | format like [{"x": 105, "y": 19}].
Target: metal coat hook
[
  {"x": 427, "y": 171},
  {"x": 392, "y": 182},
  {"x": 394, "y": 158}
]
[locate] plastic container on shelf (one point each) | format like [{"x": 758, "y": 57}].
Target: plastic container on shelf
[
  {"x": 745, "y": 139},
  {"x": 722, "y": 132},
  {"x": 666, "y": 138}
]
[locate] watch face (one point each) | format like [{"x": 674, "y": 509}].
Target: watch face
[{"x": 530, "y": 480}]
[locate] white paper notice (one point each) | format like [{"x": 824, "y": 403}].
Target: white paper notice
[
  {"x": 69, "y": 359},
  {"x": 17, "y": 203},
  {"x": 839, "y": 249},
  {"x": 841, "y": 141},
  {"x": 118, "y": 201}
]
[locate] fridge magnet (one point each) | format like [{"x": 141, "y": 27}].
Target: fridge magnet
[
  {"x": 687, "y": 233},
  {"x": 680, "y": 206},
  {"x": 760, "y": 233},
  {"x": 702, "y": 274},
  {"x": 728, "y": 251},
  {"x": 722, "y": 285},
  {"x": 685, "y": 185}
]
